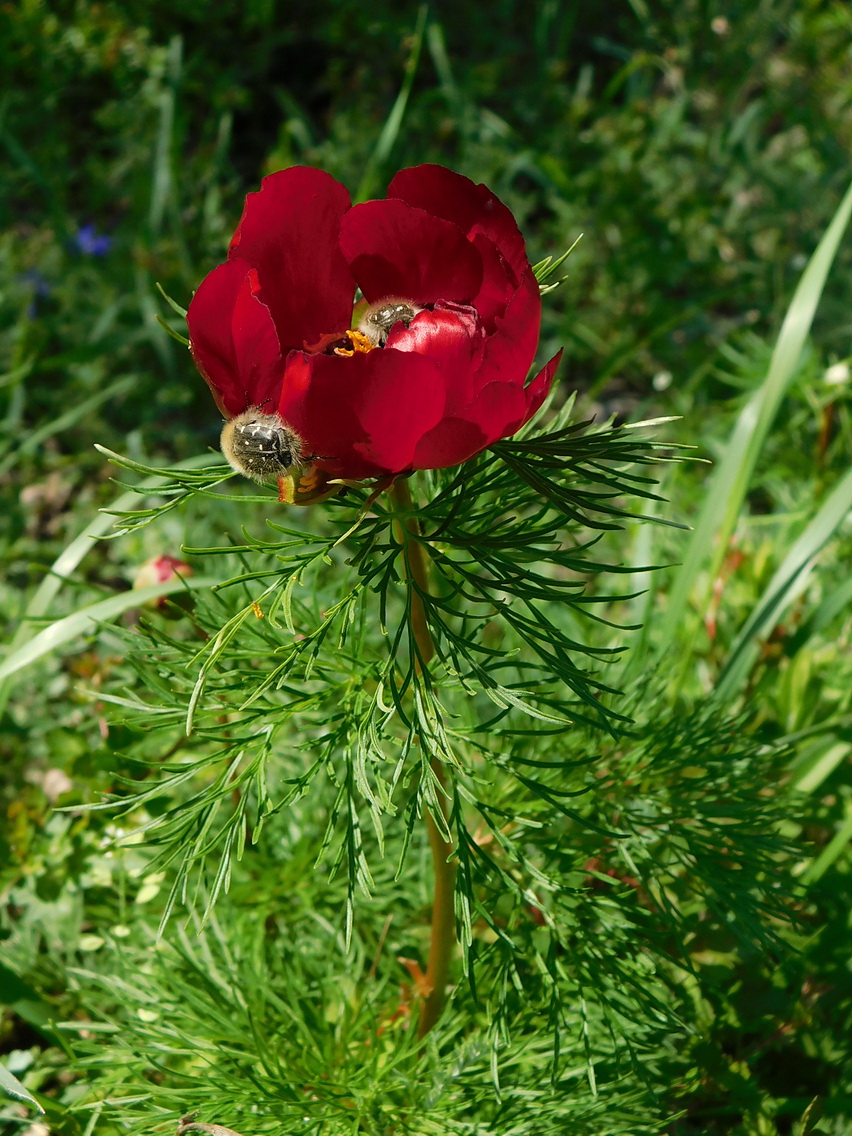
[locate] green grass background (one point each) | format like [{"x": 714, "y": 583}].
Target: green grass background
[{"x": 702, "y": 151}]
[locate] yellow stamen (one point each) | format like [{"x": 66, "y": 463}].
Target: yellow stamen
[
  {"x": 309, "y": 480},
  {"x": 360, "y": 343}
]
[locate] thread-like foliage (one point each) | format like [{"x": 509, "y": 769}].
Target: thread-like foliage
[{"x": 296, "y": 716}]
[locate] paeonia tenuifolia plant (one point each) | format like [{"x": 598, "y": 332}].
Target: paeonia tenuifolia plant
[
  {"x": 425, "y": 371},
  {"x": 411, "y": 648}
]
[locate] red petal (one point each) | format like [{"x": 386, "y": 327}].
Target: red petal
[
  {"x": 289, "y": 232},
  {"x": 496, "y": 412},
  {"x": 364, "y": 414},
  {"x": 452, "y": 338},
  {"x": 394, "y": 250},
  {"x": 450, "y": 443},
  {"x": 510, "y": 351},
  {"x": 499, "y": 409},
  {"x": 539, "y": 388},
  {"x": 232, "y": 339},
  {"x": 474, "y": 208},
  {"x": 499, "y": 282}
]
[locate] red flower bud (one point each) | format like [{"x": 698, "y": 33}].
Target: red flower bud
[
  {"x": 435, "y": 370},
  {"x": 159, "y": 570}
]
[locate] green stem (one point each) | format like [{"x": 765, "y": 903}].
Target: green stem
[{"x": 443, "y": 939}]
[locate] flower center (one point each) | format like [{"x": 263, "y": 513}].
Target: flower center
[
  {"x": 340, "y": 343},
  {"x": 374, "y": 327},
  {"x": 359, "y": 343}
]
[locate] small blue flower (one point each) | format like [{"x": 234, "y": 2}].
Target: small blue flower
[{"x": 90, "y": 243}]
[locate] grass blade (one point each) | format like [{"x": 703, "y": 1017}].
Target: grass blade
[
  {"x": 53, "y": 426},
  {"x": 13, "y": 1088},
  {"x": 787, "y": 583},
  {"x": 70, "y": 558},
  {"x": 82, "y": 622},
  {"x": 832, "y": 851},
  {"x": 729, "y": 483},
  {"x": 392, "y": 126}
]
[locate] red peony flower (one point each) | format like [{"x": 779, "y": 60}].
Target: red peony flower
[{"x": 435, "y": 369}]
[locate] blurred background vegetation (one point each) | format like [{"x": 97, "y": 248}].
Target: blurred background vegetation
[{"x": 700, "y": 148}]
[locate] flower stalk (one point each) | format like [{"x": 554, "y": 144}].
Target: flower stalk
[{"x": 443, "y": 937}]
